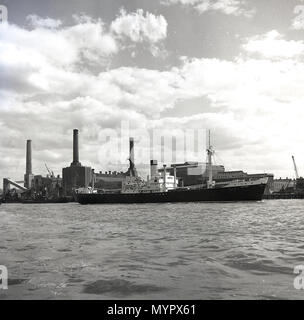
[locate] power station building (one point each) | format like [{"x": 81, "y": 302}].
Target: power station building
[
  {"x": 113, "y": 179},
  {"x": 36, "y": 187},
  {"x": 49, "y": 187},
  {"x": 75, "y": 176}
]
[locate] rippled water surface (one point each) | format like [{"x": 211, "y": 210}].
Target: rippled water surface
[{"x": 152, "y": 251}]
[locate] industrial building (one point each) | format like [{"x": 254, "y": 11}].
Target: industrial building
[
  {"x": 279, "y": 185},
  {"x": 110, "y": 180},
  {"x": 75, "y": 176},
  {"x": 14, "y": 190},
  {"x": 35, "y": 187},
  {"x": 12, "y": 194},
  {"x": 49, "y": 187}
]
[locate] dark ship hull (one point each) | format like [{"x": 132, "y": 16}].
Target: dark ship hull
[{"x": 236, "y": 193}]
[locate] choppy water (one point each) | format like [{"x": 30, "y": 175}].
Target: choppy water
[{"x": 154, "y": 251}]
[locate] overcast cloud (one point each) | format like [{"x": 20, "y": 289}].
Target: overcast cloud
[{"x": 172, "y": 65}]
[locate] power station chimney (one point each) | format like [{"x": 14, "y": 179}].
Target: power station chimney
[
  {"x": 132, "y": 170},
  {"x": 131, "y": 144},
  {"x": 28, "y": 169},
  {"x": 75, "y": 149},
  {"x": 28, "y": 177}
]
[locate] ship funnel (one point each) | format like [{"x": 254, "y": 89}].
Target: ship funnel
[
  {"x": 153, "y": 168},
  {"x": 75, "y": 149},
  {"x": 165, "y": 178}
]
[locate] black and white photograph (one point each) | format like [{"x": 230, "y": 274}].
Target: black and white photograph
[{"x": 151, "y": 150}]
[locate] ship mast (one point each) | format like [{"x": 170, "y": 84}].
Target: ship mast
[{"x": 210, "y": 152}]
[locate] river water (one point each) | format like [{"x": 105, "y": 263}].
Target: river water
[{"x": 152, "y": 251}]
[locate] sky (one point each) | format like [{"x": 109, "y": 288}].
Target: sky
[{"x": 165, "y": 67}]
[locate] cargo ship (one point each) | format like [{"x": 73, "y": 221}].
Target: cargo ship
[{"x": 163, "y": 188}]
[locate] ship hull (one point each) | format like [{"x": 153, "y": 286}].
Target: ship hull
[{"x": 243, "y": 193}]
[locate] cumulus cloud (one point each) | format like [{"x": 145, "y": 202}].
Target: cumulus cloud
[
  {"x": 46, "y": 83},
  {"x": 228, "y": 7},
  {"x": 254, "y": 102},
  {"x": 44, "y": 47},
  {"x": 273, "y": 45},
  {"x": 140, "y": 27},
  {"x": 146, "y": 29},
  {"x": 38, "y": 22}
]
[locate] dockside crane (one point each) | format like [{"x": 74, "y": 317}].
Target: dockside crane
[
  {"x": 299, "y": 180},
  {"x": 295, "y": 167},
  {"x": 51, "y": 173}
]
